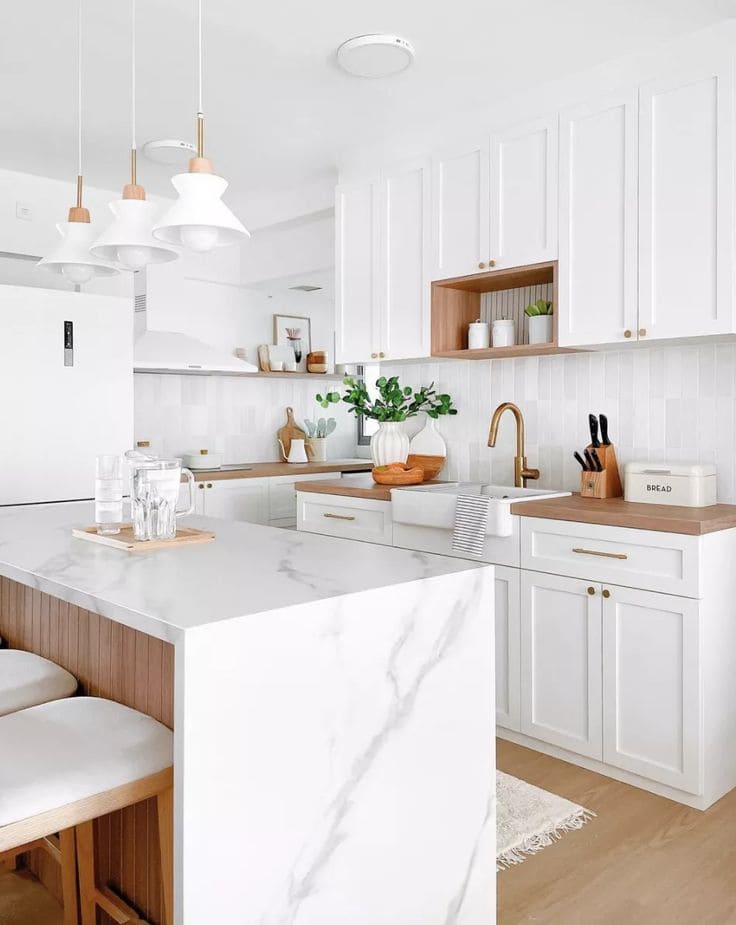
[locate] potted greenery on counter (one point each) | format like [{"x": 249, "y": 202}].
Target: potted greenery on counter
[
  {"x": 393, "y": 405},
  {"x": 539, "y": 314}
]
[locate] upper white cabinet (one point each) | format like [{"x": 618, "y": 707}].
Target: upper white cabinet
[
  {"x": 686, "y": 204},
  {"x": 460, "y": 212},
  {"x": 598, "y": 216},
  {"x": 494, "y": 204},
  {"x": 356, "y": 267},
  {"x": 382, "y": 247},
  {"x": 523, "y": 194}
]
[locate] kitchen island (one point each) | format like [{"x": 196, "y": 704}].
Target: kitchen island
[{"x": 332, "y": 709}]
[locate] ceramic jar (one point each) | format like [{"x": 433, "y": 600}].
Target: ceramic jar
[{"x": 540, "y": 329}]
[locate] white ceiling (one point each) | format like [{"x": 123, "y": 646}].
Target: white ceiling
[{"x": 279, "y": 112}]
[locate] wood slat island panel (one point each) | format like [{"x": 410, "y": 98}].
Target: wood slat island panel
[{"x": 109, "y": 660}]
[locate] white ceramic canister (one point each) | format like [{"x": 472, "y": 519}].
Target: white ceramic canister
[
  {"x": 503, "y": 333},
  {"x": 479, "y": 335}
]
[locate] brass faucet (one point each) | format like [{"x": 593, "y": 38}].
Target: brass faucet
[{"x": 521, "y": 471}]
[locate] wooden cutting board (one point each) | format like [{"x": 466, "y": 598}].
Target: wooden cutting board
[
  {"x": 290, "y": 431},
  {"x": 185, "y": 536}
]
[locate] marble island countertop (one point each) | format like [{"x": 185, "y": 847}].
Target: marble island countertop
[{"x": 248, "y": 569}]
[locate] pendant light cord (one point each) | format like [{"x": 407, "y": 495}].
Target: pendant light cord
[
  {"x": 79, "y": 104},
  {"x": 133, "y": 145},
  {"x": 200, "y": 113}
]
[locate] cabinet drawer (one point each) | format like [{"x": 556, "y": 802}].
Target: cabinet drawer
[
  {"x": 351, "y": 518},
  {"x": 649, "y": 560}
]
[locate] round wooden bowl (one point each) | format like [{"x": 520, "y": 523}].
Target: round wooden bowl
[
  {"x": 430, "y": 465},
  {"x": 382, "y": 475}
]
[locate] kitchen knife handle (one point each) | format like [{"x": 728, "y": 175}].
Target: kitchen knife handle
[
  {"x": 582, "y": 462},
  {"x": 590, "y": 462},
  {"x": 596, "y": 460},
  {"x": 593, "y": 423},
  {"x": 604, "y": 429}
]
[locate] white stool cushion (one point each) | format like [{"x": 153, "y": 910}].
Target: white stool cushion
[
  {"x": 27, "y": 679},
  {"x": 61, "y": 752}
]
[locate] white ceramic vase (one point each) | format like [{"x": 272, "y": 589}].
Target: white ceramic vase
[
  {"x": 389, "y": 444},
  {"x": 429, "y": 441},
  {"x": 540, "y": 329}
]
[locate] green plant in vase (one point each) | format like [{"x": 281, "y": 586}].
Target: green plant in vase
[{"x": 539, "y": 314}]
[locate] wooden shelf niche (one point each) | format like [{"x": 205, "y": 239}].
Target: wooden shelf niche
[{"x": 458, "y": 302}]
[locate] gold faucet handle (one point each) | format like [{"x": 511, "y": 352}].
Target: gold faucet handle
[{"x": 530, "y": 473}]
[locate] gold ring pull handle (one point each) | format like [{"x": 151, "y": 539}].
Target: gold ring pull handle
[
  {"x": 595, "y": 552},
  {"x": 339, "y": 516}
]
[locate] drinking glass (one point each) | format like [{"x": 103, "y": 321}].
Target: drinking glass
[
  {"x": 156, "y": 485},
  {"x": 108, "y": 493}
]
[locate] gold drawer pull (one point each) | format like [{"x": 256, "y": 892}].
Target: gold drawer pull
[
  {"x": 339, "y": 516},
  {"x": 605, "y": 555}
]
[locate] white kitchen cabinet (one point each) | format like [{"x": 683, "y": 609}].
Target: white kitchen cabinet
[
  {"x": 382, "y": 252},
  {"x": 651, "y": 686},
  {"x": 561, "y": 662},
  {"x": 598, "y": 222},
  {"x": 350, "y": 518},
  {"x": 686, "y": 199},
  {"x": 460, "y": 212},
  {"x": 508, "y": 655},
  {"x": 523, "y": 194},
  {"x": 236, "y": 499},
  {"x": 357, "y": 313}
]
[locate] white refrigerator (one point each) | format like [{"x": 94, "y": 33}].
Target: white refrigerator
[{"x": 66, "y": 390}]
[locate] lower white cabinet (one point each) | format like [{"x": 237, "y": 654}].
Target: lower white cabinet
[
  {"x": 561, "y": 662},
  {"x": 651, "y": 686},
  {"x": 236, "y": 499},
  {"x": 351, "y": 518},
  {"x": 508, "y": 654}
]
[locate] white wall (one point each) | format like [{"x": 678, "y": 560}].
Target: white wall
[{"x": 673, "y": 404}]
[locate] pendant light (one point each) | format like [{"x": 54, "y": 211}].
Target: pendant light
[
  {"x": 199, "y": 220},
  {"x": 128, "y": 242},
  {"x": 71, "y": 257}
]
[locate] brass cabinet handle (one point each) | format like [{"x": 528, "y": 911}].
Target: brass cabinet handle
[
  {"x": 595, "y": 552},
  {"x": 591, "y": 590},
  {"x": 642, "y": 332},
  {"x": 339, "y": 516},
  {"x": 481, "y": 266},
  {"x": 201, "y": 485},
  {"x": 381, "y": 355},
  {"x": 491, "y": 263},
  {"x": 209, "y": 484},
  {"x": 606, "y": 592},
  {"x": 373, "y": 356},
  {"x": 627, "y": 333}
]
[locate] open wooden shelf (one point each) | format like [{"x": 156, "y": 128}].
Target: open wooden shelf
[
  {"x": 457, "y": 302},
  {"x": 239, "y": 375}
]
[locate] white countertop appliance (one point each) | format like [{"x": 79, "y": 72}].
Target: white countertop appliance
[
  {"x": 686, "y": 484},
  {"x": 66, "y": 377}
]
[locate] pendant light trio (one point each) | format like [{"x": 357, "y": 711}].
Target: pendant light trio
[{"x": 198, "y": 220}]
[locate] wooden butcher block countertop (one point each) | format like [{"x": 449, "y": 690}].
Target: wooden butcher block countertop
[
  {"x": 615, "y": 512},
  {"x": 271, "y": 469},
  {"x": 356, "y": 486}
]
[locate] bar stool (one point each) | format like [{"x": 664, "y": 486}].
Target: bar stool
[
  {"x": 27, "y": 679},
  {"x": 64, "y": 764}
]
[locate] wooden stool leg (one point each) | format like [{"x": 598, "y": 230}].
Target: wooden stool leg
[
  {"x": 86, "y": 865},
  {"x": 165, "y": 809},
  {"x": 67, "y": 844}
]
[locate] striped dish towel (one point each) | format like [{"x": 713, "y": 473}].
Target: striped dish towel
[{"x": 471, "y": 518}]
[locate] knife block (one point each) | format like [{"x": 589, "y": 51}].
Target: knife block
[{"x": 605, "y": 484}]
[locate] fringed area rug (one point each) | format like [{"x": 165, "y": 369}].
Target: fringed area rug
[{"x": 529, "y": 819}]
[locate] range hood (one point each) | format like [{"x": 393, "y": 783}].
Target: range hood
[{"x": 174, "y": 352}]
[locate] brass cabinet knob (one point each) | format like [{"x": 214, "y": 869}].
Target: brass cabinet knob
[
  {"x": 627, "y": 333},
  {"x": 491, "y": 263},
  {"x": 381, "y": 355},
  {"x": 209, "y": 484},
  {"x": 606, "y": 592},
  {"x": 481, "y": 266},
  {"x": 201, "y": 485},
  {"x": 373, "y": 356},
  {"x": 642, "y": 332},
  {"x": 591, "y": 590}
]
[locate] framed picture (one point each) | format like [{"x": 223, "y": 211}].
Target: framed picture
[{"x": 294, "y": 331}]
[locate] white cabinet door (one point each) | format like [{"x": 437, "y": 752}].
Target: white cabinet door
[
  {"x": 686, "y": 166},
  {"x": 652, "y": 686},
  {"x": 508, "y": 657},
  {"x": 598, "y": 222},
  {"x": 460, "y": 210},
  {"x": 404, "y": 263},
  {"x": 356, "y": 272},
  {"x": 561, "y": 662},
  {"x": 237, "y": 499},
  {"x": 523, "y": 194}
]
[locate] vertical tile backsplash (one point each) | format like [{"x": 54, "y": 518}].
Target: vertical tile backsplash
[
  {"x": 233, "y": 415},
  {"x": 672, "y": 403}
]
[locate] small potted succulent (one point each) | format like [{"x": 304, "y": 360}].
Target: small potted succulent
[
  {"x": 317, "y": 434},
  {"x": 539, "y": 314}
]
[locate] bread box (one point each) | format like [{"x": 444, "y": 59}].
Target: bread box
[{"x": 686, "y": 484}]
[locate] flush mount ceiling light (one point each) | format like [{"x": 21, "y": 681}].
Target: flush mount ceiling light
[
  {"x": 169, "y": 151},
  {"x": 378, "y": 55},
  {"x": 128, "y": 241},
  {"x": 199, "y": 220},
  {"x": 71, "y": 257}
]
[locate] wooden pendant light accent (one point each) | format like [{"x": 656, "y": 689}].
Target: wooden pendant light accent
[
  {"x": 132, "y": 190},
  {"x": 200, "y": 163},
  {"x": 78, "y": 213}
]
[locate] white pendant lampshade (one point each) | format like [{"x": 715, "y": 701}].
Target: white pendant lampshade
[
  {"x": 71, "y": 257},
  {"x": 128, "y": 241},
  {"x": 199, "y": 220}
]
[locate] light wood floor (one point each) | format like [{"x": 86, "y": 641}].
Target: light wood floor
[{"x": 643, "y": 861}]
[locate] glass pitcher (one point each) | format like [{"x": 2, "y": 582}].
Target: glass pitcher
[{"x": 155, "y": 493}]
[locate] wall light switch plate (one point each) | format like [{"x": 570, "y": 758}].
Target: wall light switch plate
[{"x": 23, "y": 211}]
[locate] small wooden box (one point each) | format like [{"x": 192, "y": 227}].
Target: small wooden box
[{"x": 605, "y": 484}]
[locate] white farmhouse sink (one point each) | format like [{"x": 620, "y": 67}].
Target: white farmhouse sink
[{"x": 434, "y": 505}]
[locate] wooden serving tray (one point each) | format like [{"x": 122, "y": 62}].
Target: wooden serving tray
[{"x": 185, "y": 536}]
